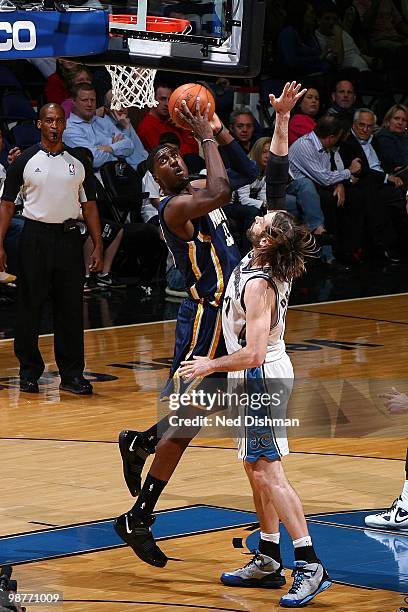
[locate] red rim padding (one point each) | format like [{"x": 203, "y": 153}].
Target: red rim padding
[{"x": 154, "y": 24}]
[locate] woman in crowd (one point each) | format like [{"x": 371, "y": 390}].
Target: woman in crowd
[
  {"x": 303, "y": 120},
  {"x": 393, "y": 138}
]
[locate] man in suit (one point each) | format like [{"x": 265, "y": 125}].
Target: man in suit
[{"x": 386, "y": 204}]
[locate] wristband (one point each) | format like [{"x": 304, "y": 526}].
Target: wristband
[
  {"x": 219, "y": 131},
  {"x": 208, "y": 140}
]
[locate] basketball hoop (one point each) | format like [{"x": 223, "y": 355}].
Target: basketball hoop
[{"x": 133, "y": 85}]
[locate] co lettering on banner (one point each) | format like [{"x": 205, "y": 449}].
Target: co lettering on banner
[{"x": 20, "y": 35}]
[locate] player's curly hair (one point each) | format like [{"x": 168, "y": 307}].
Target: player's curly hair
[{"x": 289, "y": 243}]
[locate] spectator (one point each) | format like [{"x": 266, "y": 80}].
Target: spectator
[
  {"x": 119, "y": 120},
  {"x": 386, "y": 29},
  {"x": 77, "y": 77},
  {"x": 316, "y": 157},
  {"x": 56, "y": 86},
  {"x": 98, "y": 134},
  {"x": 303, "y": 120},
  {"x": 385, "y": 192},
  {"x": 242, "y": 127},
  {"x": 392, "y": 138},
  {"x": 298, "y": 50},
  {"x": 343, "y": 101},
  {"x": 157, "y": 121}
]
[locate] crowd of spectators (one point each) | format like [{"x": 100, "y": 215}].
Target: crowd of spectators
[{"x": 348, "y": 138}]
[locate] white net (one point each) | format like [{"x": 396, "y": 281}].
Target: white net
[{"x": 132, "y": 86}]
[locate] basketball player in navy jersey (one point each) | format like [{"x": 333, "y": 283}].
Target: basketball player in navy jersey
[
  {"x": 196, "y": 231},
  {"x": 253, "y": 322}
]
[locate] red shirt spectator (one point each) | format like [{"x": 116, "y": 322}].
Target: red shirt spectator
[
  {"x": 156, "y": 122},
  {"x": 304, "y": 121}
]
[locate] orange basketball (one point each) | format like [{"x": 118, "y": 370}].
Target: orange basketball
[{"x": 190, "y": 92}]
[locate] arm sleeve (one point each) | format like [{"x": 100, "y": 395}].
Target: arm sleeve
[
  {"x": 277, "y": 172},
  {"x": 14, "y": 179}
]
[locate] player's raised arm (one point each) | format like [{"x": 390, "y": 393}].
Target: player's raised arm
[
  {"x": 277, "y": 167},
  {"x": 217, "y": 191}
]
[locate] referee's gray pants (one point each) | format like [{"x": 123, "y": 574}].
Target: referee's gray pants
[{"x": 51, "y": 265}]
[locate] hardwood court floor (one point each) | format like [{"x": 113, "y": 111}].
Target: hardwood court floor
[{"x": 60, "y": 463}]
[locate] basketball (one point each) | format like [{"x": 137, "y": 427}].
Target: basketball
[{"x": 189, "y": 93}]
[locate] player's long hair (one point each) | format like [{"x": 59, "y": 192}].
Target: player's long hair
[{"x": 289, "y": 243}]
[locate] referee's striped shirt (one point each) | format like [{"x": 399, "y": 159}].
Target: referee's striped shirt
[{"x": 308, "y": 157}]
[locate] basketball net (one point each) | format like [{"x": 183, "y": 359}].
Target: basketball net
[{"x": 132, "y": 86}]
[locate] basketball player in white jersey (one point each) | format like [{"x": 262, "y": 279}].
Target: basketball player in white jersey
[{"x": 253, "y": 321}]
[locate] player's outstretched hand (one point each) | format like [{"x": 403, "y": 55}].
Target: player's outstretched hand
[
  {"x": 395, "y": 401},
  {"x": 290, "y": 95},
  {"x": 201, "y": 366},
  {"x": 199, "y": 123}
]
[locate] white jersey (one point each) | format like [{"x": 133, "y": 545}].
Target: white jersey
[{"x": 234, "y": 315}]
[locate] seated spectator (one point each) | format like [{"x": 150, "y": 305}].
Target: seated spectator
[
  {"x": 144, "y": 248},
  {"x": 98, "y": 134},
  {"x": 303, "y": 121},
  {"x": 242, "y": 127},
  {"x": 76, "y": 77},
  {"x": 386, "y": 193},
  {"x": 343, "y": 101},
  {"x": 157, "y": 121},
  {"x": 119, "y": 120},
  {"x": 112, "y": 234},
  {"x": 386, "y": 30},
  {"x": 337, "y": 43},
  {"x": 16, "y": 225},
  {"x": 298, "y": 50},
  {"x": 334, "y": 39},
  {"x": 392, "y": 138},
  {"x": 56, "y": 86},
  {"x": 254, "y": 194},
  {"x": 316, "y": 157}
]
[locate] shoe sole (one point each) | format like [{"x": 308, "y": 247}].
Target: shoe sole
[
  {"x": 253, "y": 583},
  {"x": 326, "y": 584},
  {"x": 127, "y": 474},
  {"x": 387, "y": 526},
  {"x": 122, "y": 534},
  {"x": 85, "y": 392}
]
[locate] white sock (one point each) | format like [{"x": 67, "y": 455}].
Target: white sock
[
  {"x": 305, "y": 541},
  {"x": 270, "y": 537},
  {"x": 404, "y": 494}
]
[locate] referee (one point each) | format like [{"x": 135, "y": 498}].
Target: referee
[{"x": 56, "y": 184}]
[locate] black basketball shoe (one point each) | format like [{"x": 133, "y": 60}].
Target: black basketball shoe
[
  {"x": 136, "y": 532},
  {"x": 134, "y": 452}
]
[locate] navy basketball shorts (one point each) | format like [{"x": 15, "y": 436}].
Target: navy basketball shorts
[
  {"x": 261, "y": 396},
  {"x": 198, "y": 332}
]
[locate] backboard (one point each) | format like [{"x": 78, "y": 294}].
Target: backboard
[{"x": 211, "y": 37}]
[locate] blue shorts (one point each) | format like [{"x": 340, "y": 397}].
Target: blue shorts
[
  {"x": 198, "y": 332},
  {"x": 262, "y": 421}
]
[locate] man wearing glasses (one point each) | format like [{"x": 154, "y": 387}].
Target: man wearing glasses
[{"x": 385, "y": 204}]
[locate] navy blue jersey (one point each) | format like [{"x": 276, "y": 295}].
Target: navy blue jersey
[{"x": 207, "y": 261}]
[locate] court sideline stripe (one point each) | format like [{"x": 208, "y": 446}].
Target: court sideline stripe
[
  {"x": 202, "y": 446},
  {"x": 349, "y": 316},
  {"x": 295, "y": 306},
  {"x": 151, "y": 603}
]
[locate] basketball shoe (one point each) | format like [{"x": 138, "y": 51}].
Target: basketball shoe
[
  {"x": 309, "y": 579},
  {"x": 395, "y": 517},
  {"x": 135, "y": 531},
  {"x": 262, "y": 571},
  {"x": 134, "y": 451}
]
